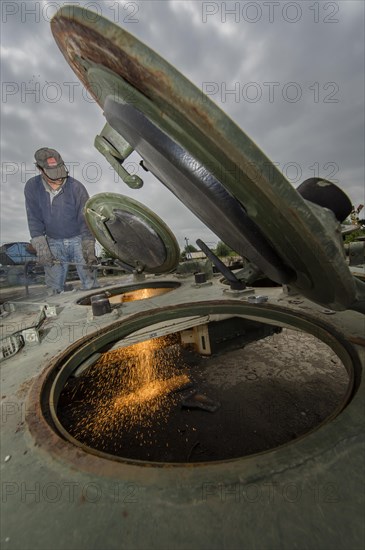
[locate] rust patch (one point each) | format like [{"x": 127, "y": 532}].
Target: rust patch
[
  {"x": 73, "y": 39},
  {"x": 23, "y": 389}
]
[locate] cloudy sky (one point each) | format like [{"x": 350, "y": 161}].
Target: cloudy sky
[{"x": 291, "y": 74}]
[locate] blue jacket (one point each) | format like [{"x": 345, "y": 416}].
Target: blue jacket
[{"x": 63, "y": 218}]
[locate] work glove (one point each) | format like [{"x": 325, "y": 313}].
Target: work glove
[
  {"x": 88, "y": 251},
  {"x": 44, "y": 255}
]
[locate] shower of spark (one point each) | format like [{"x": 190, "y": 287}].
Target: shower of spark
[
  {"x": 127, "y": 388},
  {"x": 139, "y": 294},
  {"x": 151, "y": 390}
]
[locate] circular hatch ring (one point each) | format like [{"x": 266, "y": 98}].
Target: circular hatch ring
[{"x": 323, "y": 434}]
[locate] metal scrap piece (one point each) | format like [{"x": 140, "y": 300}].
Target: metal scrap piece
[{"x": 200, "y": 401}]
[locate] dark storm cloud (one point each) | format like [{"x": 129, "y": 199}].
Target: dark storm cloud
[{"x": 319, "y": 57}]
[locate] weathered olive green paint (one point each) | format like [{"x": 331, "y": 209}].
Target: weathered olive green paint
[
  {"x": 118, "y": 63},
  {"x": 115, "y": 149},
  {"x": 100, "y": 209}
]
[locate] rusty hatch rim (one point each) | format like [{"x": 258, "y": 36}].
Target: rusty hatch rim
[{"x": 48, "y": 432}]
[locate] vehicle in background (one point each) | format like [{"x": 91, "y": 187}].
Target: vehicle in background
[{"x": 18, "y": 265}]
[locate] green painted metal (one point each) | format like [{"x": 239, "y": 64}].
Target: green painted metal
[
  {"x": 304, "y": 494},
  {"x": 109, "y": 60},
  {"x": 100, "y": 209},
  {"x": 66, "y": 498},
  {"x": 115, "y": 149}
]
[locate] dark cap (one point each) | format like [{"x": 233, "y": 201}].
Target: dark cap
[{"x": 50, "y": 161}]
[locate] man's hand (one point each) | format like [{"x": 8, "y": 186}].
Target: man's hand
[
  {"x": 44, "y": 255},
  {"x": 88, "y": 251}
]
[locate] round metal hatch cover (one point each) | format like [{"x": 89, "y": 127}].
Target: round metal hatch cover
[
  {"x": 95, "y": 47},
  {"x": 132, "y": 233}
]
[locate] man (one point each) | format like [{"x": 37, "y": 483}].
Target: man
[{"x": 54, "y": 203}]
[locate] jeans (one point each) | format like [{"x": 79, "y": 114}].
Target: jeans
[{"x": 68, "y": 250}]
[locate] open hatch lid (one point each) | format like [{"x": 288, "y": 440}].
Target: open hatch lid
[
  {"x": 291, "y": 241},
  {"x": 132, "y": 233}
]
